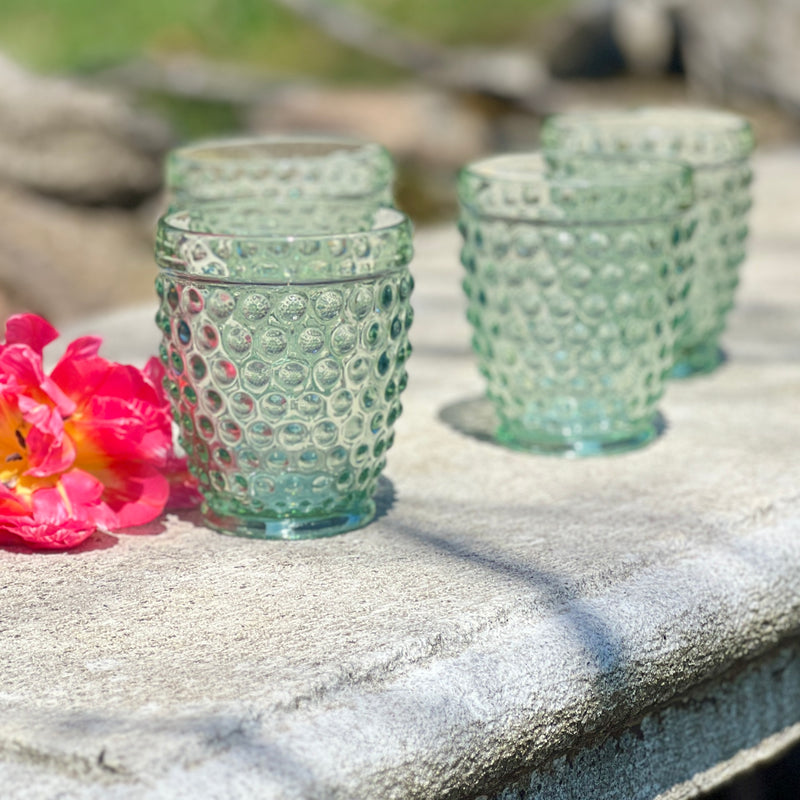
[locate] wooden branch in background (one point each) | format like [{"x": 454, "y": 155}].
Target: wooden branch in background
[
  {"x": 518, "y": 77},
  {"x": 369, "y": 34}
]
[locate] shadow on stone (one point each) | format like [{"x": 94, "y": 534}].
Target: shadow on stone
[
  {"x": 152, "y": 528},
  {"x": 475, "y": 417},
  {"x": 384, "y": 497},
  {"x": 196, "y": 738},
  {"x": 591, "y": 633},
  {"x": 97, "y": 541}
]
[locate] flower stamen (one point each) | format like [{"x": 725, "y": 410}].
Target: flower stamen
[
  {"x": 20, "y": 439},
  {"x": 14, "y": 457}
]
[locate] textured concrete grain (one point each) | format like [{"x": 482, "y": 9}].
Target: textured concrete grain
[
  {"x": 706, "y": 738},
  {"x": 504, "y": 616}
]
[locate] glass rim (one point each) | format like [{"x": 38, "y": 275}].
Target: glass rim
[
  {"x": 734, "y": 130},
  {"x": 397, "y": 220},
  {"x": 277, "y": 165},
  {"x": 239, "y": 149},
  {"x": 531, "y": 170},
  {"x": 375, "y": 198},
  {"x": 518, "y": 172},
  {"x": 383, "y": 221}
]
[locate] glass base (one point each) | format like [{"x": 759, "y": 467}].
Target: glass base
[
  {"x": 698, "y": 360},
  {"x": 307, "y": 527},
  {"x": 518, "y": 438}
]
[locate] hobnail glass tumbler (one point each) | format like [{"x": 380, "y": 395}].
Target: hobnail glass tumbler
[
  {"x": 280, "y": 167},
  {"x": 574, "y": 281},
  {"x": 285, "y": 337},
  {"x": 717, "y": 144}
]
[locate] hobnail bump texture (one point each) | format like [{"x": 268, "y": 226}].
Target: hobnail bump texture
[
  {"x": 280, "y": 167},
  {"x": 286, "y": 394},
  {"x": 717, "y": 145},
  {"x": 719, "y": 248},
  {"x": 573, "y": 319}
]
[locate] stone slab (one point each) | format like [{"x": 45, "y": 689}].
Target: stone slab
[
  {"x": 504, "y": 615},
  {"x": 706, "y": 738}
]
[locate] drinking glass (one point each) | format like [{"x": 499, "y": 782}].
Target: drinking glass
[
  {"x": 574, "y": 282},
  {"x": 717, "y": 145},
  {"x": 279, "y": 168},
  {"x": 285, "y": 337}
]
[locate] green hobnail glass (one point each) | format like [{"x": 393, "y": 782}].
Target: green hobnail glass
[
  {"x": 576, "y": 286},
  {"x": 285, "y": 338},
  {"x": 717, "y": 145},
  {"x": 279, "y": 168}
]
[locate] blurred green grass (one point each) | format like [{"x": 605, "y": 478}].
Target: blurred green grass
[
  {"x": 91, "y": 36},
  {"x": 85, "y": 35}
]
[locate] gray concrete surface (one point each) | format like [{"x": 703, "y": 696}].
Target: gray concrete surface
[
  {"x": 507, "y": 621},
  {"x": 712, "y": 734}
]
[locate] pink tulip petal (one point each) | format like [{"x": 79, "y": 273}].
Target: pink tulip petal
[
  {"x": 49, "y": 451},
  {"x": 48, "y": 535},
  {"x": 30, "y": 330},
  {"x": 91, "y": 439},
  {"x": 51, "y": 522},
  {"x": 22, "y": 365},
  {"x": 135, "y": 493},
  {"x": 48, "y": 456},
  {"x": 80, "y": 378},
  {"x": 127, "y": 429},
  {"x": 86, "y": 377},
  {"x": 101, "y": 442},
  {"x": 82, "y": 488},
  {"x": 155, "y": 373},
  {"x": 11, "y": 504},
  {"x": 82, "y": 348}
]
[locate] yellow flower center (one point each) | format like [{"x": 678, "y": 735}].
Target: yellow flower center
[{"x": 14, "y": 453}]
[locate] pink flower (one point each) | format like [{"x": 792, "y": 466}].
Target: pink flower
[{"x": 85, "y": 447}]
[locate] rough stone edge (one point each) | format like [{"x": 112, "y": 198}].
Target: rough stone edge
[
  {"x": 469, "y": 723},
  {"x": 741, "y": 721}
]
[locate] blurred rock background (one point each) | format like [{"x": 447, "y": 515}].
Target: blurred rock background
[{"x": 93, "y": 93}]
